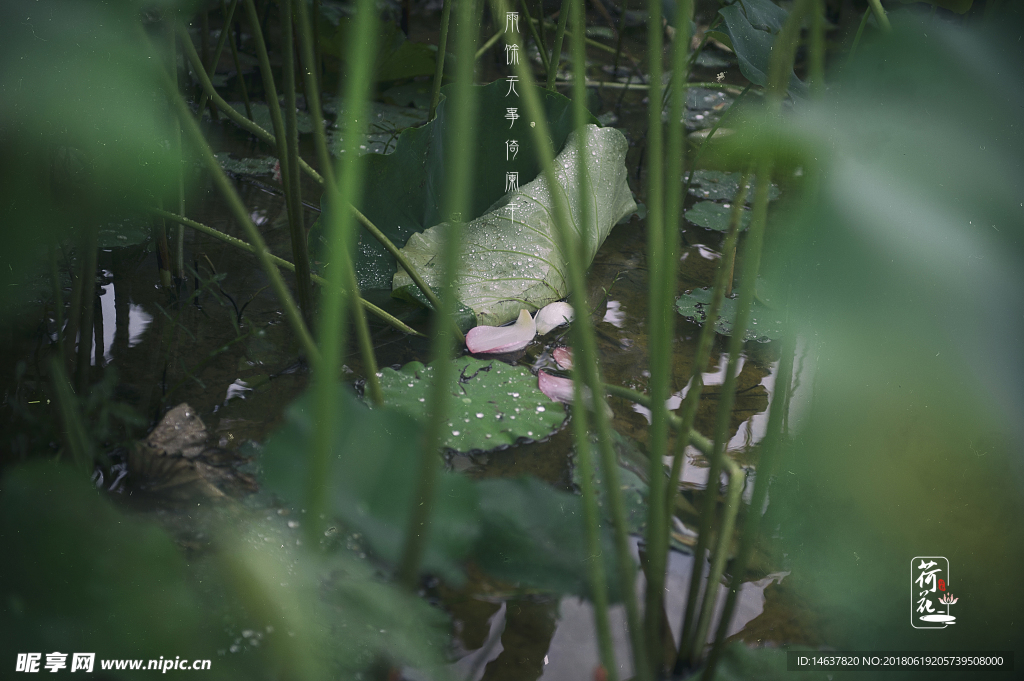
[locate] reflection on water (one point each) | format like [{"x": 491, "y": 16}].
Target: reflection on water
[
  {"x": 614, "y": 314},
  {"x": 116, "y": 322},
  {"x": 560, "y": 638}
]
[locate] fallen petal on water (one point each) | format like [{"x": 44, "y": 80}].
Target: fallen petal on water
[
  {"x": 498, "y": 339},
  {"x": 557, "y": 388},
  {"x": 563, "y": 357},
  {"x": 552, "y": 316}
]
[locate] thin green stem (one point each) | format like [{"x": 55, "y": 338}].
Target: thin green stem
[
  {"x": 556, "y": 49},
  {"x": 88, "y": 277},
  {"x": 720, "y": 553},
  {"x": 178, "y": 270},
  {"x": 699, "y": 442},
  {"x": 704, "y": 342},
  {"x": 714, "y": 129},
  {"x": 663, "y": 320},
  {"x": 442, "y": 50},
  {"x": 770, "y": 450},
  {"x": 541, "y": 48},
  {"x": 292, "y": 181},
  {"x": 225, "y": 31},
  {"x": 781, "y": 63},
  {"x": 240, "y": 213},
  {"x": 660, "y": 339},
  {"x": 340, "y": 234},
  {"x": 385, "y": 317},
  {"x": 270, "y": 94},
  {"x": 597, "y": 577},
  {"x": 348, "y": 270},
  {"x": 375, "y": 231},
  {"x": 488, "y": 45},
  {"x": 883, "y": 21},
  {"x": 238, "y": 70},
  {"x": 856, "y": 38},
  {"x": 455, "y": 202},
  {"x": 74, "y": 430},
  {"x": 618, "y": 43},
  {"x": 586, "y": 348}
]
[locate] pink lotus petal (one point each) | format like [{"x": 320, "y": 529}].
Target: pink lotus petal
[
  {"x": 560, "y": 390},
  {"x": 496, "y": 339},
  {"x": 563, "y": 357},
  {"x": 552, "y": 316},
  {"x": 557, "y": 388}
]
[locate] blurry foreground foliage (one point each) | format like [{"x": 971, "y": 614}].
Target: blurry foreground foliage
[
  {"x": 906, "y": 276},
  {"x": 903, "y": 271}
]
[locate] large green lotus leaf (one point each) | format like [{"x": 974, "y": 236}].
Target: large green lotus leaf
[
  {"x": 509, "y": 257},
  {"x": 492, "y": 404},
  {"x": 386, "y": 123},
  {"x": 765, "y": 323},
  {"x": 752, "y": 26},
  {"x": 534, "y": 536},
  {"x": 403, "y": 190},
  {"x": 374, "y": 468}
]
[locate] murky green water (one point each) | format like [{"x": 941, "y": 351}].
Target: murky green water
[{"x": 222, "y": 346}]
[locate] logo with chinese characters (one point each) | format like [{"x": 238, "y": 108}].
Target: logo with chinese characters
[{"x": 929, "y": 593}]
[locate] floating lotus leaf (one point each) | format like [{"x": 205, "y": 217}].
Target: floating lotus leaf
[
  {"x": 765, "y": 323},
  {"x": 260, "y": 165},
  {"x": 716, "y": 216},
  {"x": 492, "y": 403},
  {"x": 717, "y": 185}
]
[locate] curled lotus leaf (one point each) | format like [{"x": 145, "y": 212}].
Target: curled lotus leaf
[{"x": 510, "y": 258}]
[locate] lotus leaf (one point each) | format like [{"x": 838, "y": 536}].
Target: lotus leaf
[
  {"x": 493, "y": 404},
  {"x": 403, "y": 190},
  {"x": 717, "y": 185},
  {"x": 534, "y": 535},
  {"x": 765, "y": 323},
  {"x": 510, "y": 258},
  {"x": 374, "y": 467},
  {"x": 751, "y": 26},
  {"x": 716, "y": 216}
]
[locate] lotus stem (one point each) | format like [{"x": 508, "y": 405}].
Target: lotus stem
[
  {"x": 780, "y": 65},
  {"x": 591, "y": 514},
  {"x": 340, "y": 231},
  {"x": 385, "y": 317},
  {"x": 719, "y": 555},
  {"x": 240, "y": 213},
  {"x": 541, "y": 47},
  {"x": 662, "y": 325},
  {"x": 229, "y": 14},
  {"x": 883, "y": 21},
  {"x": 586, "y": 347},
  {"x": 770, "y": 450},
  {"x": 455, "y": 202},
  {"x": 556, "y": 49},
  {"x": 704, "y": 342},
  {"x": 292, "y": 181},
  {"x": 442, "y": 49},
  {"x": 374, "y": 231}
]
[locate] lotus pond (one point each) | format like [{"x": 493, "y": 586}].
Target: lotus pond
[{"x": 792, "y": 371}]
